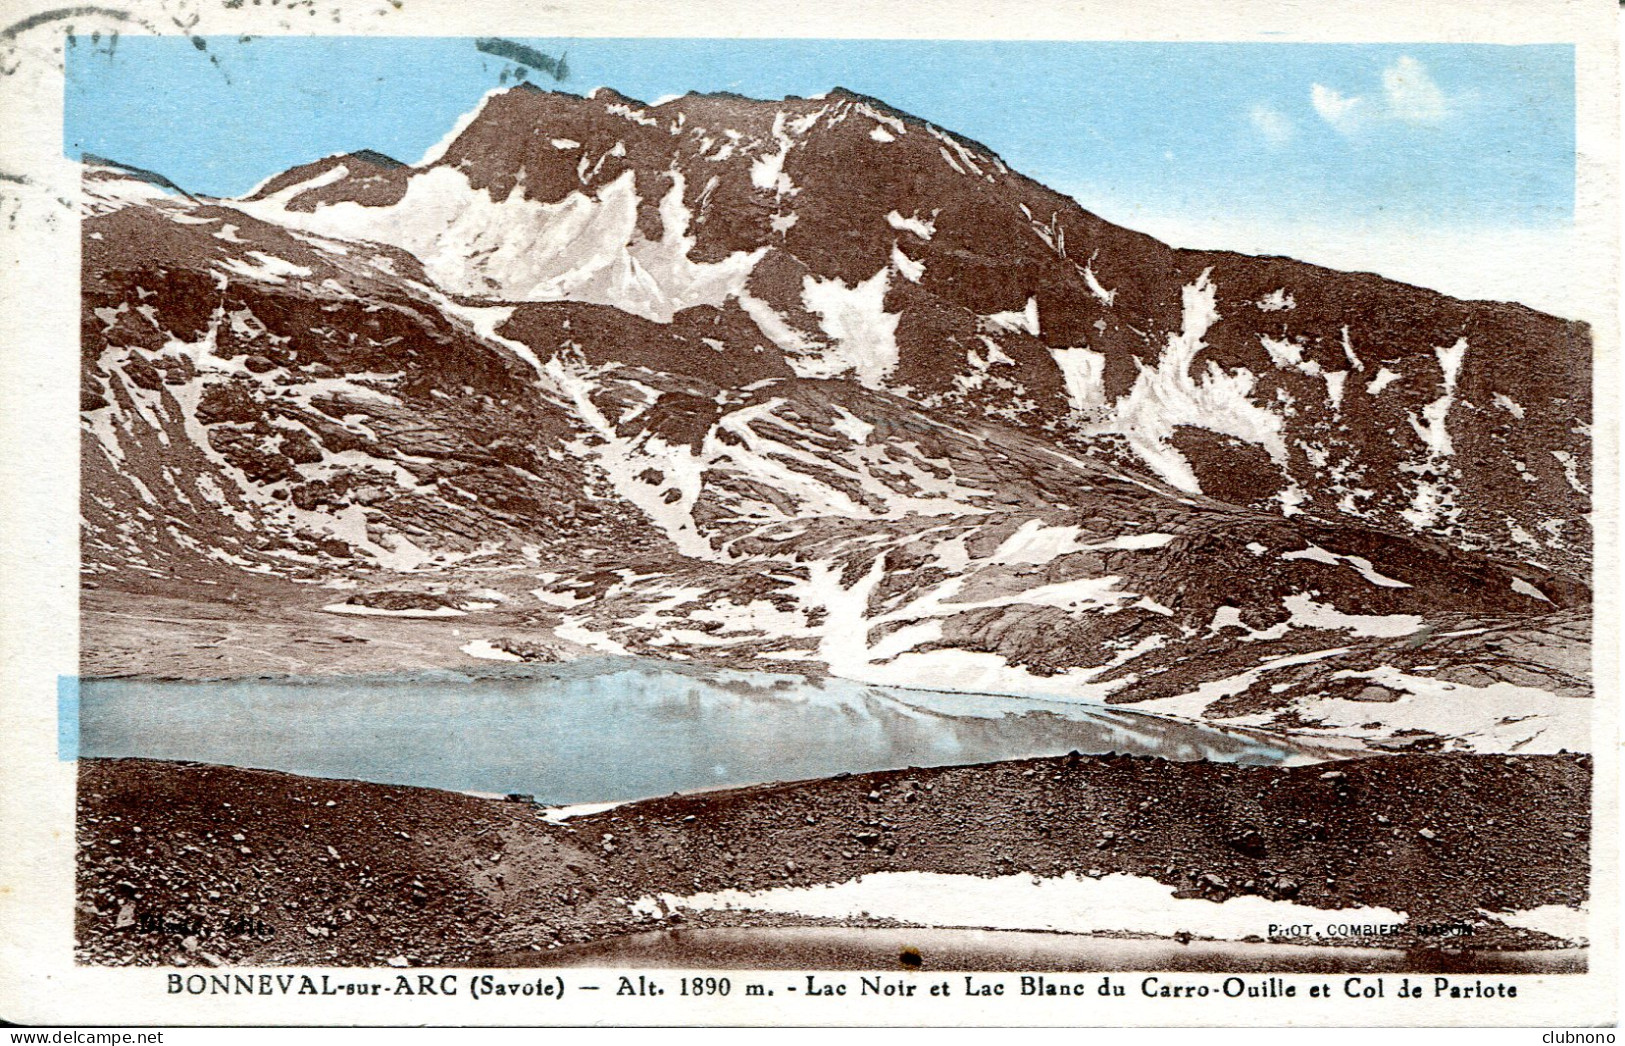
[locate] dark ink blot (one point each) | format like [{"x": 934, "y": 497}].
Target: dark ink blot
[
  {"x": 911, "y": 958},
  {"x": 526, "y": 58}
]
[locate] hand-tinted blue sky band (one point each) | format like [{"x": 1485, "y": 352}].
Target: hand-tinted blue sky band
[
  {"x": 67, "y": 718},
  {"x": 1442, "y": 136}
]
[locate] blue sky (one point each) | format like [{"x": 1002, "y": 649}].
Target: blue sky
[{"x": 1445, "y": 136}]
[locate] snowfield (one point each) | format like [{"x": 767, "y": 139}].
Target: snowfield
[{"x": 1070, "y": 903}]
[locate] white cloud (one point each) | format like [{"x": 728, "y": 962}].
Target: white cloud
[
  {"x": 1276, "y": 128},
  {"x": 1412, "y": 95},
  {"x": 1342, "y": 111},
  {"x": 1409, "y": 95}
]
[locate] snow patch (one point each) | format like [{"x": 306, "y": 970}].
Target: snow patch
[
  {"x": 1034, "y": 542},
  {"x": 356, "y": 610},
  {"x": 1571, "y": 470},
  {"x": 485, "y": 651},
  {"x": 1501, "y": 717},
  {"x": 1557, "y": 920},
  {"x": 1430, "y": 428},
  {"x": 767, "y": 170},
  {"x": 906, "y": 267},
  {"x": 1090, "y": 280},
  {"x": 851, "y": 426},
  {"x": 1024, "y": 320},
  {"x": 637, "y": 116},
  {"x": 1348, "y": 351},
  {"x": 1065, "y": 904},
  {"x": 266, "y": 268},
  {"x": 1524, "y": 588},
  {"x": 1434, "y": 500},
  {"x": 560, "y": 814},
  {"x": 1335, "y": 380},
  {"x": 863, "y": 334},
  {"x": 113, "y": 190},
  {"x": 575, "y": 630},
  {"x": 1166, "y": 396},
  {"x": 777, "y": 329},
  {"x": 1037, "y": 543},
  {"x": 624, "y": 458},
  {"x": 581, "y": 248},
  {"x": 1358, "y": 563},
  {"x": 1289, "y": 356},
  {"x": 1384, "y": 378},
  {"x": 1306, "y": 613},
  {"x": 924, "y": 228},
  {"x": 966, "y": 158}
]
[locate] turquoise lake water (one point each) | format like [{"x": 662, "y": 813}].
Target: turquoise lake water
[{"x": 609, "y": 729}]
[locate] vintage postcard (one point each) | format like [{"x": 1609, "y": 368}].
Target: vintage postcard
[{"x": 870, "y": 514}]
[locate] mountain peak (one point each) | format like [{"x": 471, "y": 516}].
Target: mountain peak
[
  {"x": 362, "y": 174},
  {"x": 846, "y": 94},
  {"x": 140, "y": 174},
  {"x": 864, "y": 241},
  {"x": 610, "y": 96},
  {"x": 821, "y": 368},
  {"x": 373, "y": 157}
]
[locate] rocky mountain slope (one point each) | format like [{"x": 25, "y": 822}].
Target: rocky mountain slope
[{"x": 816, "y": 384}]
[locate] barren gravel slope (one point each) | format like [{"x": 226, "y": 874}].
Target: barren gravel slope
[{"x": 209, "y": 864}]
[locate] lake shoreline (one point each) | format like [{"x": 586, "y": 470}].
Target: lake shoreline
[
  {"x": 1478, "y": 698},
  {"x": 580, "y": 732}
]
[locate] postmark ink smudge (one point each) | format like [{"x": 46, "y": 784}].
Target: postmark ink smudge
[{"x": 526, "y": 58}]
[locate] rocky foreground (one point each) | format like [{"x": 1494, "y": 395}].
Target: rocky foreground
[{"x": 210, "y": 865}]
